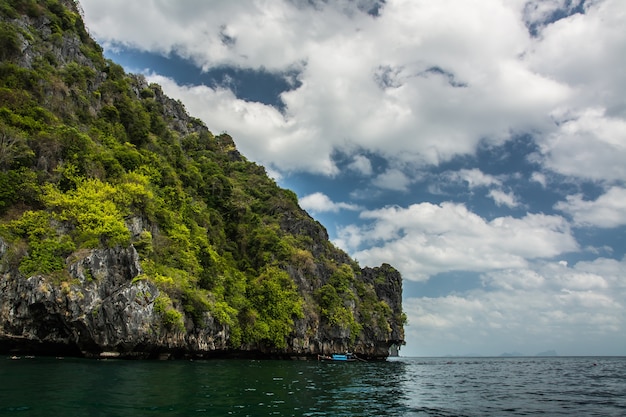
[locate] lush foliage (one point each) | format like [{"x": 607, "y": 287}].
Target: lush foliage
[
  {"x": 337, "y": 300},
  {"x": 86, "y": 150}
]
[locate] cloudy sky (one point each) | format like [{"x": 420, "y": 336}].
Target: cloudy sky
[{"x": 479, "y": 146}]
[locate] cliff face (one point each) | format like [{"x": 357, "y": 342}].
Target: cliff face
[
  {"x": 114, "y": 315},
  {"x": 128, "y": 229}
]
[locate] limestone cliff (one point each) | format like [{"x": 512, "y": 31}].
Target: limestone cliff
[
  {"x": 106, "y": 311},
  {"x": 128, "y": 229}
]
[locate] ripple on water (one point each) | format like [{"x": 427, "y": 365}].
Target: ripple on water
[{"x": 404, "y": 387}]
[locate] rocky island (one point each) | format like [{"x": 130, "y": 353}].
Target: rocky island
[{"x": 128, "y": 229}]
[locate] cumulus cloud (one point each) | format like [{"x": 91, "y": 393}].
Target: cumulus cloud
[
  {"x": 425, "y": 239},
  {"x": 547, "y": 305},
  {"x": 473, "y": 177},
  {"x": 320, "y": 203},
  {"x": 392, "y": 179},
  {"x": 420, "y": 84},
  {"x": 584, "y": 52},
  {"x": 361, "y": 164},
  {"x": 608, "y": 210},
  {"x": 540, "y": 178},
  {"x": 588, "y": 144},
  {"x": 589, "y": 138},
  {"x": 502, "y": 198}
]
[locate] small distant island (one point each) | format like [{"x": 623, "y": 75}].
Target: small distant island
[
  {"x": 517, "y": 354},
  {"x": 546, "y": 353}
]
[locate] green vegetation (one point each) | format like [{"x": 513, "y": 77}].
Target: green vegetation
[
  {"x": 337, "y": 300},
  {"x": 86, "y": 149}
]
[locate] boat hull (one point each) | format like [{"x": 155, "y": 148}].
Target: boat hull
[{"x": 337, "y": 358}]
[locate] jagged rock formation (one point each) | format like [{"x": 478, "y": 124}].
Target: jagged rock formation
[
  {"x": 107, "y": 312},
  {"x": 128, "y": 229}
]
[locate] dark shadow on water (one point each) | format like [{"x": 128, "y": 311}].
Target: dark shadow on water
[{"x": 77, "y": 387}]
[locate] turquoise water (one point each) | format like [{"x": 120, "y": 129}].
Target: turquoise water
[{"x": 399, "y": 387}]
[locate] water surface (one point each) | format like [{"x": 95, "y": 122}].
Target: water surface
[{"x": 399, "y": 387}]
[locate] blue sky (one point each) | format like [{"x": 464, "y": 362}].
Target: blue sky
[{"x": 479, "y": 146}]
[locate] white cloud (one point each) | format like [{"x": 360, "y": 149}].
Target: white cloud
[
  {"x": 320, "y": 203},
  {"x": 502, "y": 198},
  {"x": 588, "y": 144},
  {"x": 558, "y": 277},
  {"x": 422, "y": 83},
  {"x": 349, "y": 237},
  {"x": 392, "y": 179},
  {"x": 510, "y": 279},
  {"x": 424, "y": 239},
  {"x": 539, "y": 178},
  {"x": 584, "y": 51},
  {"x": 608, "y": 210},
  {"x": 574, "y": 310},
  {"x": 361, "y": 164},
  {"x": 473, "y": 177}
]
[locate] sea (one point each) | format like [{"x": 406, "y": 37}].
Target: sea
[{"x": 525, "y": 386}]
